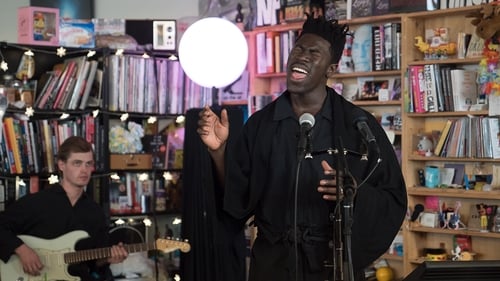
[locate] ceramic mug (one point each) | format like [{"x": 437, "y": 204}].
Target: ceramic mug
[{"x": 432, "y": 176}]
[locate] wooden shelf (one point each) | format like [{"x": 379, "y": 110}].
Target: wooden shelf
[
  {"x": 447, "y": 114},
  {"x": 473, "y": 233},
  {"x": 447, "y": 61},
  {"x": 414, "y": 157},
  {"x": 454, "y": 193},
  {"x": 396, "y": 72},
  {"x": 392, "y": 257},
  {"x": 376, "y": 103}
]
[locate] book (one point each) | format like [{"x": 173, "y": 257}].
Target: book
[
  {"x": 464, "y": 89},
  {"x": 475, "y": 47},
  {"x": 260, "y": 46},
  {"x": 8, "y": 140},
  {"x": 47, "y": 93},
  {"x": 377, "y": 43},
  {"x": 443, "y": 137},
  {"x": 278, "y": 65},
  {"x": 270, "y": 51},
  {"x": 88, "y": 83},
  {"x": 430, "y": 88},
  {"x": 458, "y": 178},
  {"x": 418, "y": 88},
  {"x": 81, "y": 78},
  {"x": 389, "y": 38},
  {"x": 446, "y": 176},
  {"x": 66, "y": 76},
  {"x": 494, "y": 129},
  {"x": 12, "y": 140}
]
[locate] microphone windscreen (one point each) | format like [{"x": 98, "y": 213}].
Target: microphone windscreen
[{"x": 307, "y": 118}]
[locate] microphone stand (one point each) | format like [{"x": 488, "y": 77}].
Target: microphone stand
[
  {"x": 304, "y": 151},
  {"x": 346, "y": 190}
]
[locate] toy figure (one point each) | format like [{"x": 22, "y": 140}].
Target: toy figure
[
  {"x": 38, "y": 27},
  {"x": 481, "y": 209},
  {"x": 456, "y": 253},
  {"x": 239, "y": 17}
]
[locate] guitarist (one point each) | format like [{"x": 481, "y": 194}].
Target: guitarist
[{"x": 60, "y": 209}]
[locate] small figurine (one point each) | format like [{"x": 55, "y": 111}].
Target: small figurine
[
  {"x": 38, "y": 27},
  {"x": 239, "y": 17},
  {"x": 440, "y": 51},
  {"x": 456, "y": 253},
  {"x": 481, "y": 209}
]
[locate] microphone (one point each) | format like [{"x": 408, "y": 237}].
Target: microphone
[
  {"x": 360, "y": 122},
  {"x": 304, "y": 147}
]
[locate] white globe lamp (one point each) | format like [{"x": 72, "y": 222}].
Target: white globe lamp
[{"x": 213, "y": 52}]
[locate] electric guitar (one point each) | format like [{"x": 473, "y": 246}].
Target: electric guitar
[{"x": 56, "y": 254}]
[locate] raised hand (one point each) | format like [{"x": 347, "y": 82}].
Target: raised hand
[{"x": 213, "y": 130}]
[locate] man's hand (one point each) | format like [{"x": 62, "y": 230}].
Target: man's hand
[
  {"x": 118, "y": 254},
  {"x": 213, "y": 130},
  {"x": 328, "y": 186},
  {"x": 29, "y": 259}
]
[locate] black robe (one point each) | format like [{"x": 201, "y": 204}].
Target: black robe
[{"x": 261, "y": 165}]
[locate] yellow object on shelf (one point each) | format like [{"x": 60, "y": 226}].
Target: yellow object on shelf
[{"x": 384, "y": 274}]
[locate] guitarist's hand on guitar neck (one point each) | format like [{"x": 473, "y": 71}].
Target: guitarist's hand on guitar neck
[
  {"x": 118, "y": 254},
  {"x": 29, "y": 259}
]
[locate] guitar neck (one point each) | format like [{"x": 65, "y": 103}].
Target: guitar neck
[{"x": 95, "y": 254}]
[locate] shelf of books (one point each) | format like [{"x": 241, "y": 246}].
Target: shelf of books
[{"x": 450, "y": 149}]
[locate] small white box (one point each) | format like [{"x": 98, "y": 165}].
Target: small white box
[{"x": 429, "y": 219}]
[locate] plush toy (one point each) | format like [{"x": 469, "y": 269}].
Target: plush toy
[{"x": 487, "y": 23}]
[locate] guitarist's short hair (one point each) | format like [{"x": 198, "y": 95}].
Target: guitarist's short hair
[{"x": 73, "y": 144}]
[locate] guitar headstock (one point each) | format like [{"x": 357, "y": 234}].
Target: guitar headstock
[{"x": 171, "y": 244}]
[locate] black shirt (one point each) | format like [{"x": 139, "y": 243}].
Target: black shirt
[
  {"x": 260, "y": 181},
  {"x": 48, "y": 214}
]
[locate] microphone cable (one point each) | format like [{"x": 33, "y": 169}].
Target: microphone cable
[{"x": 295, "y": 214}]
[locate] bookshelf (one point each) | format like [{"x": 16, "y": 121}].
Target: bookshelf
[{"x": 418, "y": 238}]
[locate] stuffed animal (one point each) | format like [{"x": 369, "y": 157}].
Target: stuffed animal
[{"x": 487, "y": 21}]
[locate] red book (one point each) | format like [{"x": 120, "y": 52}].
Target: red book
[{"x": 418, "y": 84}]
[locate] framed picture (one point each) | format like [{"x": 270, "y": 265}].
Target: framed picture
[
  {"x": 69, "y": 9},
  {"x": 164, "y": 35},
  {"x": 382, "y": 89}
]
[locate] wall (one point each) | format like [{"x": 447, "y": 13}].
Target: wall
[{"x": 149, "y": 9}]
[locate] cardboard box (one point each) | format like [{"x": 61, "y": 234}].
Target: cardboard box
[
  {"x": 38, "y": 26},
  {"x": 77, "y": 33},
  {"x": 131, "y": 162}
]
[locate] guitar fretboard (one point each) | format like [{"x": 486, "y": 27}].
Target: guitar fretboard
[{"x": 94, "y": 254}]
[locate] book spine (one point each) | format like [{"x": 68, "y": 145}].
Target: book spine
[
  {"x": 418, "y": 95},
  {"x": 14, "y": 138},
  {"x": 270, "y": 52},
  {"x": 376, "y": 49},
  {"x": 430, "y": 89},
  {"x": 388, "y": 46}
]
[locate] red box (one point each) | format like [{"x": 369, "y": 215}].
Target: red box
[{"x": 38, "y": 26}]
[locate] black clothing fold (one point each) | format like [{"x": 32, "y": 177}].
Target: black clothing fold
[{"x": 217, "y": 239}]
